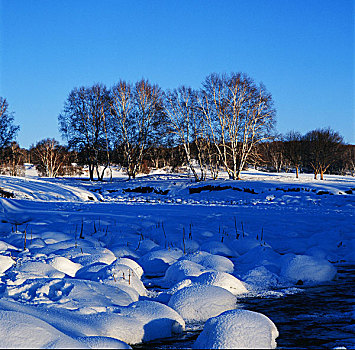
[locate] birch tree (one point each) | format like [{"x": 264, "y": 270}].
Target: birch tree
[
  {"x": 136, "y": 117},
  {"x": 239, "y": 115},
  {"x": 184, "y": 122},
  {"x": 49, "y": 157}
]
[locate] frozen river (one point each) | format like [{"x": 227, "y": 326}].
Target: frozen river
[{"x": 321, "y": 317}]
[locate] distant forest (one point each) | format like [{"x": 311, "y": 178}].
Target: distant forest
[{"x": 228, "y": 124}]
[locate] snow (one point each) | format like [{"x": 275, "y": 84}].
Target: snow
[
  {"x": 307, "y": 268},
  {"x": 211, "y": 261},
  {"x": 181, "y": 270},
  {"x": 238, "y": 329},
  {"x": 65, "y": 265},
  {"x": 88, "y": 264},
  {"x": 24, "y": 331},
  {"x": 97, "y": 342},
  {"x": 5, "y": 263},
  {"x": 155, "y": 263},
  {"x": 198, "y": 303},
  {"x": 223, "y": 280}
]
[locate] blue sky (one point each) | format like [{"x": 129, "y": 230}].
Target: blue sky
[{"x": 302, "y": 50}]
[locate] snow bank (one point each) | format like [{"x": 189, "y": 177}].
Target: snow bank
[{"x": 238, "y": 329}]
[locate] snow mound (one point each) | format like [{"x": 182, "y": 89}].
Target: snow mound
[
  {"x": 223, "y": 280},
  {"x": 238, "y": 329},
  {"x": 160, "y": 320},
  {"x": 244, "y": 244},
  {"x": 141, "y": 321},
  {"x": 124, "y": 277},
  {"x": 99, "y": 342},
  {"x": 124, "y": 252},
  {"x": 101, "y": 255},
  {"x": 260, "y": 256},
  {"x": 307, "y": 269},
  {"x": 197, "y": 303},
  {"x": 35, "y": 269},
  {"x": 64, "y": 265},
  {"x": 18, "y": 330},
  {"x": 211, "y": 261},
  {"x": 72, "y": 294},
  {"x": 155, "y": 263},
  {"x": 216, "y": 247},
  {"x": 181, "y": 270},
  {"x": 260, "y": 278},
  {"x": 5, "y": 263},
  {"x": 136, "y": 268}
]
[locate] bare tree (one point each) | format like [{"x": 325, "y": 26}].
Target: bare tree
[
  {"x": 7, "y": 129},
  {"x": 12, "y": 160},
  {"x": 239, "y": 115},
  {"x": 83, "y": 124},
  {"x": 293, "y": 148},
  {"x": 274, "y": 153},
  {"x": 136, "y": 117},
  {"x": 49, "y": 157},
  {"x": 185, "y": 122},
  {"x": 322, "y": 148},
  {"x": 349, "y": 158}
]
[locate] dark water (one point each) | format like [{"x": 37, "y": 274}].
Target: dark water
[{"x": 320, "y": 317}]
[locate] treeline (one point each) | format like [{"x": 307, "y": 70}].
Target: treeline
[{"x": 226, "y": 124}]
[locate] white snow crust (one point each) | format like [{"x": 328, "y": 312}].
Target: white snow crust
[
  {"x": 88, "y": 264},
  {"x": 238, "y": 329}
]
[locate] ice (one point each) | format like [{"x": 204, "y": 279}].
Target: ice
[{"x": 238, "y": 329}]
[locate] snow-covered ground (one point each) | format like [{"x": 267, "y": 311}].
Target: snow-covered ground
[{"x": 89, "y": 264}]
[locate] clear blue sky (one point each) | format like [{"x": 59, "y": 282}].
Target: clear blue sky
[{"x": 302, "y": 50}]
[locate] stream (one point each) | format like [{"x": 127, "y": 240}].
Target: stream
[{"x": 321, "y": 317}]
